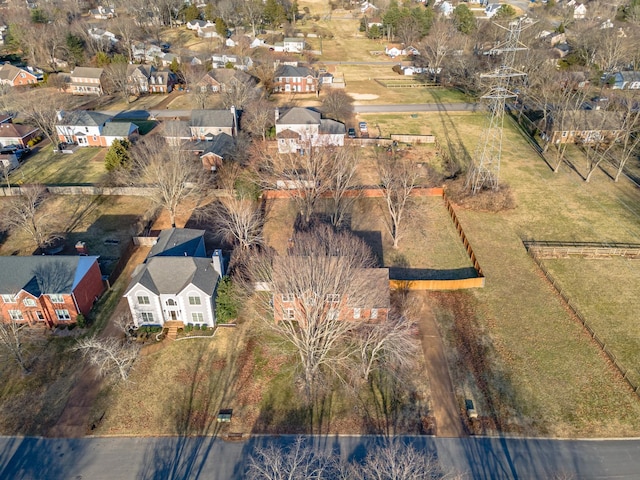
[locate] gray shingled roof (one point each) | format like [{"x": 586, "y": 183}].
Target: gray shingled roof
[
  {"x": 84, "y": 118},
  {"x": 118, "y": 129},
  {"x": 332, "y": 127},
  {"x": 8, "y": 71},
  {"x": 211, "y": 118},
  {"x": 87, "y": 72},
  {"x": 299, "y": 116},
  {"x": 171, "y": 275},
  {"x": 291, "y": 71},
  {"x": 177, "y": 242},
  {"x": 41, "y": 274},
  {"x": 176, "y": 129},
  {"x": 221, "y": 145},
  {"x": 630, "y": 76}
]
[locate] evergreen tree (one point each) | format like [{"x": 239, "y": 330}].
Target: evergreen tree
[
  {"x": 226, "y": 301},
  {"x": 175, "y": 66},
  {"x": 75, "y": 45},
  {"x": 209, "y": 12},
  {"x": 191, "y": 12},
  {"x": 221, "y": 28},
  {"x": 117, "y": 156},
  {"x": 463, "y": 19},
  {"x": 39, "y": 16},
  {"x": 274, "y": 13}
]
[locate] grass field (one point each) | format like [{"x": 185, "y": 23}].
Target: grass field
[
  {"x": 91, "y": 219},
  {"x": 85, "y": 165},
  {"x": 430, "y": 247},
  {"x": 529, "y": 364},
  {"x": 587, "y": 282},
  {"x": 244, "y": 369}
]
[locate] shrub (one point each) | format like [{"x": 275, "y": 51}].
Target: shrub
[
  {"x": 189, "y": 327},
  {"x": 227, "y": 301},
  {"x": 71, "y": 326},
  {"x": 81, "y": 321},
  {"x": 33, "y": 141}
]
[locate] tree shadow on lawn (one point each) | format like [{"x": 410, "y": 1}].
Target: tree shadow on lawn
[
  {"x": 500, "y": 407},
  {"x": 389, "y": 405},
  {"x": 208, "y": 386},
  {"x": 289, "y": 414}
]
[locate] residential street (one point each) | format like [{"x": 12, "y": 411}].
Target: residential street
[
  {"x": 209, "y": 458},
  {"x": 398, "y": 108}
]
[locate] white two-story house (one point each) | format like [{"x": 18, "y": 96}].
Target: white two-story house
[
  {"x": 300, "y": 128},
  {"x": 177, "y": 282}
]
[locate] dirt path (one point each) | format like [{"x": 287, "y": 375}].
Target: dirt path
[
  {"x": 445, "y": 407},
  {"x": 74, "y": 420}
]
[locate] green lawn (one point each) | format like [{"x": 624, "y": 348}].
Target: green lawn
[{"x": 85, "y": 165}]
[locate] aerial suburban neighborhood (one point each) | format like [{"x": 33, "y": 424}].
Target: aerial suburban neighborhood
[{"x": 340, "y": 239}]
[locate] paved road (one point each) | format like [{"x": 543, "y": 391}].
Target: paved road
[
  {"x": 417, "y": 107},
  {"x": 208, "y": 458},
  {"x": 396, "y": 108}
]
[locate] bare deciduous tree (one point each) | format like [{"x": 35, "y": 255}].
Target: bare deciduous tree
[
  {"x": 239, "y": 220},
  {"x": 441, "y": 42},
  {"x": 110, "y": 356},
  {"x": 258, "y": 117},
  {"x": 41, "y": 111},
  {"x": 342, "y": 182},
  {"x": 398, "y": 178},
  {"x": 629, "y": 144},
  {"x": 118, "y": 78},
  {"x": 175, "y": 175},
  {"x": 328, "y": 277},
  {"x": 239, "y": 94},
  {"x": 24, "y": 213},
  {"x": 337, "y": 105},
  {"x": 564, "y": 104},
  {"x": 393, "y": 459},
  {"x": 321, "y": 171},
  {"x": 306, "y": 177},
  {"x": 298, "y": 462},
  {"x": 396, "y": 460},
  {"x": 12, "y": 336},
  {"x": 390, "y": 344}
]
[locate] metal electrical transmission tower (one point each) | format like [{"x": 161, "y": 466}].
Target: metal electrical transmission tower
[{"x": 485, "y": 170}]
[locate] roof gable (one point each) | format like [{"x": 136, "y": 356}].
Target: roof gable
[{"x": 299, "y": 116}]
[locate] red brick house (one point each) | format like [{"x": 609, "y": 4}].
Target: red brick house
[
  {"x": 48, "y": 290},
  {"x": 295, "y": 79},
  {"x": 16, "y": 77},
  {"x": 287, "y": 307}
]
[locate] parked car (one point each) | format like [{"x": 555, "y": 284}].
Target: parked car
[
  {"x": 351, "y": 133},
  {"x": 16, "y": 150},
  {"x": 363, "y": 126}
]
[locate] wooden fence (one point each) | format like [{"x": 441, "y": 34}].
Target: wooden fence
[
  {"x": 463, "y": 237},
  {"x": 582, "y": 249},
  {"x": 377, "y": 192},
  {"x": 413, "y": 138},
  {"x": 96, "y": 190},
  {"x": 630, "y": 375}
]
